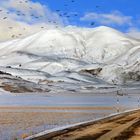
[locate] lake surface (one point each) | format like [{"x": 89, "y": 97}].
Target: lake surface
[
  {"x": 81, "y": 100},
  {"x": 73, "y": 107}
]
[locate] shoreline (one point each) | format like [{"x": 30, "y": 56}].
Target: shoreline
[
  {"x": 64, "y": 130},
  {"x": 26, "y": 121}
]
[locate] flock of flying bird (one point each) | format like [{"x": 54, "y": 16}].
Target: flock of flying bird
[{"x": 58, "y": 11}]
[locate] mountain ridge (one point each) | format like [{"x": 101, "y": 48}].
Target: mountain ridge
[{"x": 103, "y": 52}]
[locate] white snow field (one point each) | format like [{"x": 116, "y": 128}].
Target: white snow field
[{"x": 73, "y": 58}]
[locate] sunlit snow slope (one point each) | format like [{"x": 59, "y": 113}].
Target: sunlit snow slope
[{"x": 101, "y": 57}]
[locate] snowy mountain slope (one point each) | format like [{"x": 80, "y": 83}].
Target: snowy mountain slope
[
  {"x": 97, "y": 56},
  {"x": 18, "y": 85},
  {"x": 69, "y": 44},
  {"x": 26, "y": 74}
]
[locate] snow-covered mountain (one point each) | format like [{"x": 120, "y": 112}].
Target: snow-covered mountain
[{"x": 100, "y": 57}]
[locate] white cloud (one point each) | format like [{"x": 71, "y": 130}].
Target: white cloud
[
  {"x": 114, "y": 17},
  {"x": 24, "y": 17},
  {"x": 29, "y": 11},
  {"x": 134, "y": 32}
]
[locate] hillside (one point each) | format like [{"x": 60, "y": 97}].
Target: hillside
[{"x": 92, "y": 58}]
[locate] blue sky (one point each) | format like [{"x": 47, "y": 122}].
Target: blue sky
[
  {"x": 123, "y": 15},
  {"x": 123, "y": 8}
]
